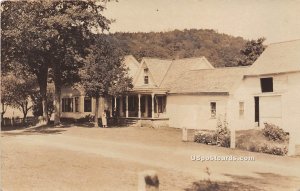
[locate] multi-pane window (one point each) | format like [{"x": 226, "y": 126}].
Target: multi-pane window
[
  {"x": 87, "y": 104},
  {"x": 266, "y": 84},
  {"x": 67, "y": 104},
  {"x": 146, "y": 77},
  {"x": 213, "y": 109},
  {"x": 76, "y": 104},
  {"x": 241, "y": 109},
  {"x": 160, "y": 105}
]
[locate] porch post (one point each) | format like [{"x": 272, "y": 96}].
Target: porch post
[
  {"x": 126, "y": 105},
  {"x": 139, "y": 114},
  {"x": 152, "y": 104}
]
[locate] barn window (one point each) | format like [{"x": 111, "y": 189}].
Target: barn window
[
  {"x": 241, "y": 109},
  {"x": 67, "y": 104},
  {"x": 266, "y": 84},
  {"x": 213, "y": 109},
  {"x": 87, "y": 104}
]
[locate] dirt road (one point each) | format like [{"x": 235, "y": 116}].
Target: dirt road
[{"x": 80, "y": 158}]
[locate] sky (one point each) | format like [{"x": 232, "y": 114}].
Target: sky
[{"x": 276, "y": 20}]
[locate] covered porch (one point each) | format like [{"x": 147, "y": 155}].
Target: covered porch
[{"x": 140, "y": 105}]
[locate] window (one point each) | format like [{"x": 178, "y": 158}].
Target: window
[
  {"x": 146, "y": 80},
  {"x": 266, "y": 84},
  {"x": 241, "y": 109},
  {"x": 87, "y": 104},
  {"x": 213, "y": 109},
  {"x": 67, "y": 104},
  {"x": 160, "y": 104},
  {"x": 76, "y": 104},
  {"x": 146, "y": 70}
]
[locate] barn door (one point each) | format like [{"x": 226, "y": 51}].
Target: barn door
[{"x": 256, "y": 100}]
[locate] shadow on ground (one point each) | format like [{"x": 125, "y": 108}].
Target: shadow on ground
[
  {"x": 276, "y": 180},
  {"x": 45, "y": 129},
  {"x": 246, "y": 183},
  {"x": 206, "y": 185}
]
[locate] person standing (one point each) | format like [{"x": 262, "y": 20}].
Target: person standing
[{"x": 104, "y": 120}]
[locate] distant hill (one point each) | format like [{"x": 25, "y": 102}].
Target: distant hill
[{"x": 220, "y": 49}]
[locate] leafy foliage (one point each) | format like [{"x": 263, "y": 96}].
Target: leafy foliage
[
  {"x": 103, "y": 72},
  {"x": 220, "y": 49},
  {"x": 251, "y": 51},
  {"x": 49, "y": 34},
  {"x": 223, "y": 133},
  {"x": 274, "y": 133}
]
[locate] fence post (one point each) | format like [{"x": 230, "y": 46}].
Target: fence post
[
  {"x": 184, "y": 134},
  {"x": 148, "y": 181},
  {"x": 232, "y": 138},
  {"x": 292, "y": 144}
]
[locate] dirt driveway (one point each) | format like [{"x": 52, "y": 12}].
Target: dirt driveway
[{"x": 81, "y": 158}]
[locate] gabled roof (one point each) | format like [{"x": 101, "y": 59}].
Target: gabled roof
[
  {"x": 278, "y": 58},
  {"x": 219, "y": 80},
  {"x": 164, "y": 72},
  {"x": 133, "y": 65},
  {"x": 157, "y": 68},
  {"x": 178, "y": 67}
]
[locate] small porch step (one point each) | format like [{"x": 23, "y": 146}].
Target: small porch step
[{"x": 128, "y": 122}]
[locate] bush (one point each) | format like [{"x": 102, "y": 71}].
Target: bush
[
  {"x": 86, "y": 118},
  {"x": 205, "y": 137},
  {"x": 275, "y": 150},
  {"x": 274, "y": 133},
  {"x": 223, "y": 133}
]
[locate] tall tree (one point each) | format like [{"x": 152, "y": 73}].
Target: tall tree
[
  {"x": 104, "y": 72},
  {"x": 50, "y": 34},
  {"x": 251, "y": 52}
]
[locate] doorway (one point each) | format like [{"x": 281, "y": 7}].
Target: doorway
[{"x": 256, "y": 101}]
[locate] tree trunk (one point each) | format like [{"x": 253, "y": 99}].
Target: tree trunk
[
  {"x": 2, "y": 113},
  {"x": 57, "y": 104},
  {"x": 42, "y": 81},
  {"x": 24, "y": 117},
  {"x": 96, "y": 112}
]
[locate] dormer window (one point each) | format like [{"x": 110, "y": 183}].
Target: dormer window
[
  {"x": 146, "y": 80},
  {"x": 266, "y": 84}
]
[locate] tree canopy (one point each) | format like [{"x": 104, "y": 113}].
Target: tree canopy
[
  {"x": 43, "y": 35},
  {"x": 251, "y": 51},
  {"x": 220, "y": 49},
  {"x": 104, "y": 72}
]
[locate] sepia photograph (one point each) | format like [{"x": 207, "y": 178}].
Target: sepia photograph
[{"x": 150, "y": 95}]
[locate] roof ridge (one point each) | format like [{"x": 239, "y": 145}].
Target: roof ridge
[
  {"x": 281, "y": 42},
  {"x": 167, "y": 59},
  {"x": 222, "y": 68}
]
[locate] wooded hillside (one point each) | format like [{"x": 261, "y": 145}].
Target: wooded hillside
[{"x": 220, "y": 49}]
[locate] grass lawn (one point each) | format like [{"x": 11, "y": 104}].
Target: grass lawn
[{"x": 254, "y": 140}]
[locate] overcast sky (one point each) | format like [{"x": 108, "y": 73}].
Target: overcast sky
[{"x": 277, "y": 20}]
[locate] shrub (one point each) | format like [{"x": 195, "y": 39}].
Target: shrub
[
  {"x": 275, "y": 150},
  {"x": 223, "y": 133},
  {"x": 86, "y": 118},
  {"x": 274, "y": 133},
  {"x": 205, "y": 137}
]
